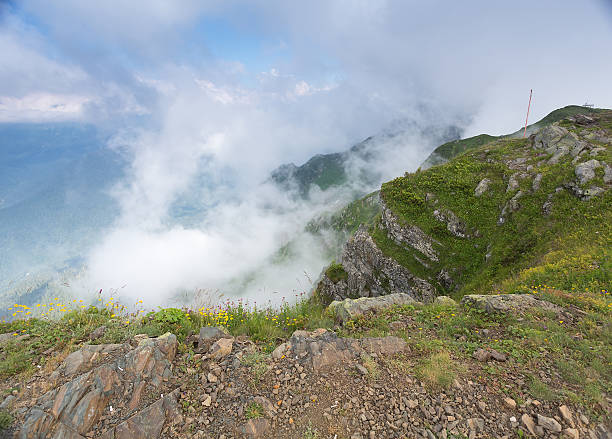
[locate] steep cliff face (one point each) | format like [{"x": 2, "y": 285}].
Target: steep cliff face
[
  {"x": 370, "y": 273},
  {"x": 490, "y": 216}
]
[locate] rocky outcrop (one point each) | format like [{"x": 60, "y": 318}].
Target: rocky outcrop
[
  {"x": 511, "y": 206},
  {"x": 350, "y": 308},
  {"x": 408, "y": 235},
  {"x": 103, "y": 400},
  {"x": 453, "y": 223},
  {"x": 322, "y": 348},
  {"x": 559, "y": 142},
  {"x": 507, "y": 303},
  {"x": 371, "y": 274}
]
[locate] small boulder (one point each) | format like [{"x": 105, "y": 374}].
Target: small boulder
[
  {"x": 586, "y": 171},
  {"x": 221, "y": 348},
  {"x": 209, "y": 334},
  {"x": 97, "y": 333},
  {"x": 529, "y": 424},
  {"x": 566, "y": 414},
  {"x": 488, "y": 354},
  {"x": 481, "y": 355},
  {"x": 506, "y": 303},
  {"x": 350, "y": 308},
  {"x": 482, "y": 187},
  {"x": 549, "y": 424},
  {"x": 281, "y": 350},
  {"x": 498, "y": 356},
  {"x": 444, "y": 301},
  {"x": 510, "y": 403}
]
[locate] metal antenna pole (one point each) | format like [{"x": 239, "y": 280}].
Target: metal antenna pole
[{"x": 528, "y": 107}]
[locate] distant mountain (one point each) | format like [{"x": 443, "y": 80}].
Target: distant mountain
[{"x": 328, "y": 170}]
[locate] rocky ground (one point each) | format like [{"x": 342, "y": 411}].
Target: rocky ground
[{"x": 320, "y": 384}]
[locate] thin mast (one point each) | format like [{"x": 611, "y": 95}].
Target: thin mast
[{"x": 528, "y": 107}]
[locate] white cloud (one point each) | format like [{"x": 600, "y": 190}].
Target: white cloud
[
  {"x": 215, "y": 130},
  {"x": 42, "y": 106}
]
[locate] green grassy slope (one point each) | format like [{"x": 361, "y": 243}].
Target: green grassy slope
[{"x": 568, "y": 249}]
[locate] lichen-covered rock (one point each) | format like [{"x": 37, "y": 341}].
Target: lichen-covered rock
[
  {"x": 482, "y": 187},
  {"x": 586, "y": 171},
  {"x": 583, "y": 194},
  {"x": 370, "y": 274},
  {"x": 350, "y": 308},
  {"x": 507, "y": 302},
  {"x": 444, "y": 301}
]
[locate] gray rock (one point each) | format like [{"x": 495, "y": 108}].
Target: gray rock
[
  {"x": 445, "y": 279},
  {"x": 511, "y": 206},
  {"x": 8, "y": 402},
  {"x": 453, "y": 223},
  {"x": 559, "y": 142},
  {"x": 444, "y": 301},
  {"x": 607, "y": 178},
  {"x": 408, "y": 235},
  {"x": 322, "y": 348},
  {"x": 513, "y": 183},
  {"x": 371, "y": 274},
  {"x": 212, "y": 333},
  {"x": 482, "y": 187},
  {"x": 507, "y": 303},
  {"x": 537, "y": 180},
  {"x": 97, "y": 333},
  {"x": 350, "y": 308},
  {"x": 586, "y": 171},
  {"x": 77, "y": 405},
  {"x": 549, "y": 135},
  {"x": 549, "y": 424},
  {"x": 583, "y": 194},
  {"x": 529, "y": 424}
]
